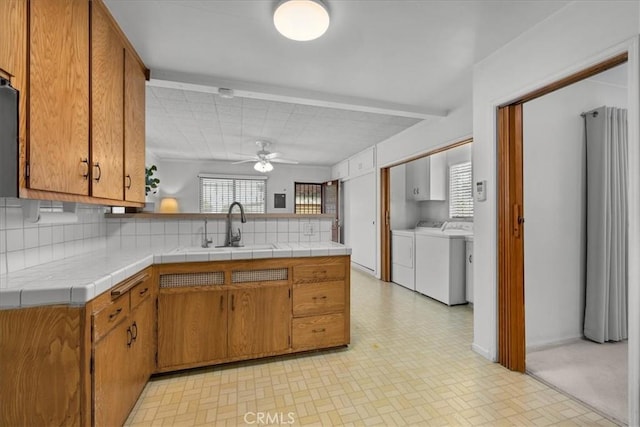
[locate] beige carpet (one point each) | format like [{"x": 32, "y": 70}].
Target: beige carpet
[{"x": 594, "y": 373}]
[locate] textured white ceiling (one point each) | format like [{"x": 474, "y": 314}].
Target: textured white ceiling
[
  {"x": 409, "y": 56},
  {"x": 197, "y": 125}
]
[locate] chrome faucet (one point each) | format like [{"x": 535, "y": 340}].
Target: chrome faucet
[
  {"x": 233, "y": 239},
  {"x": 205, "y": 238}
]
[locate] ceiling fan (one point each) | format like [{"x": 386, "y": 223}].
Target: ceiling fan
[{"x": 264, "y": 158}]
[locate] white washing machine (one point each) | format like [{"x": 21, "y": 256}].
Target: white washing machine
[{"x": 440, "y": 261}]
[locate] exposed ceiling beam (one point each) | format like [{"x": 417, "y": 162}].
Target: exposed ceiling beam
[{"x": 210, "y": 84}]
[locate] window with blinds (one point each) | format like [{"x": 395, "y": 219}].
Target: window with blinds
[
  {"x": 308, "y": 198},
  {"x": 218, "y": 193},
  {"x": 460, "y": 191}
]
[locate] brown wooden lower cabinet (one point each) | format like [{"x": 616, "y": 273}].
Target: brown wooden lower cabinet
[
  {"x": 112, "y": 376},
  {"x": 41, "y": 367},
  {"x": 259, "y": 320},
  {"x": 218, "y": 312},
  {"x": 123, "y": 349},
  {"x": 62, "y": 365},
  {"x": 192, "y": 326}
]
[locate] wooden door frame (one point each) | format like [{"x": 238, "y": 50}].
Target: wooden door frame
[
  {"x": 385, "y": 206},
  {"x": 510, "y": 192}
]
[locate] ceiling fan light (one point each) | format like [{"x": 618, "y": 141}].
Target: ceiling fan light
[
  {"x": 263, "y": 166},
  {"x": 301, "y": 20}
]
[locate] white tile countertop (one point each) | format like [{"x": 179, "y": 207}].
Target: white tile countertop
[{"x": 79, "y": 279}]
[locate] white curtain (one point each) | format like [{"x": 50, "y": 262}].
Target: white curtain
[{"x": 605, "y": 316}]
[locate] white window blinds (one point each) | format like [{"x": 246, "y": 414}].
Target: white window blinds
[
  {"x": 460, "y": 191},
  {"x": 218, "y": 193}
]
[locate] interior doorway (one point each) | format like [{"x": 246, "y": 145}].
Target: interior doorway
[
  {"x": 385, "y": 206},
  {"x": 510, "y": 249}
]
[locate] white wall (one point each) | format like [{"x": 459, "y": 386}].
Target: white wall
[
  {"x": 555, "y": 208},
  {"x": 404, "y": 213},
  {"x": 581, "y": 34},
  {"x": 426, "y": 136},
  {"x": 179, "y": 179}
]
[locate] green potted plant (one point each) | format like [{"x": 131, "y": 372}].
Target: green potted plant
[
  {"x": 151, "y": 183},
  {"x": 151, "y": 186}
]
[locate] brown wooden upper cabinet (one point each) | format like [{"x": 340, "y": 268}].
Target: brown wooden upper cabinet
[
  {"x": 107, "y": 106},
  {"x": 83, "y": 139},
  {"x": 58, "y": 139},
  {"x": 12, "y": 41},
  {"x": 134, "y": 129}
]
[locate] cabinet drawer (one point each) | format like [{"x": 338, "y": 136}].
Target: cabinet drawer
[
  {"x": 140, "y": 292},
  {"x": 318, "y": 273},
  {"x": 109, "y": 316},
  {"x": 318, "y": 298},
  {"x": 318, "y": 331}
]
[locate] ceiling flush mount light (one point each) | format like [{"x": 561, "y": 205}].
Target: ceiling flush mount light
[
  {"x": 301, "y": 20},
  {"x": 263, "y": 166}
]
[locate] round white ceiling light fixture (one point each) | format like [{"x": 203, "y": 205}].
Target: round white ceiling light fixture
[
  {"x": 263, "y": 166},
  {"x": 301, "y": 20}
]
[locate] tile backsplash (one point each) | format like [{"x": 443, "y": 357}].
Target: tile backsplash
[
  {"x": 25, "y": 244},
  {"x": 153, "y": 233}
]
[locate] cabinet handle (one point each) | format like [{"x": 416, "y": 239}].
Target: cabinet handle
[
  {"x": 315, "y": 331},
  {"x": 221, "y": 302},
  {"x": 126, "y": 286},
  {"x": 115, "y": 313},
  {"x": 128, "y": 186},
  {"x": 85, "y": 175},
  {"x": 470, "y": 258},
  {"x": 134, "y": 331},
  {"x": 144, "y": 291},
  {"x": 233, "y": 302},
  {"x": 322, "y": 297},
  {"x": 97, "y": 178},
  {"x": 129, "y": 337}
]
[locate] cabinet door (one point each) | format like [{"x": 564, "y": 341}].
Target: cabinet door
[
  {"x": 134, "y": 130},
  {"x": 13, "y": 36},
  {"x": 192, "y": 326},
  {"x": 59, "y": 96},
  {"x": 259, "y": 320},
  {"x": 438, "y": 176},
  {"x": 112, "y": 377},
  {"x": 142, "y": 362},
  {"x": 107, "y": 92},
  {"x": 418, "y": 179}
]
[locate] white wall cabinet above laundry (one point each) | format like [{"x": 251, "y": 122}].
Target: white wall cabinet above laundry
[{"x": 426, "y": 178}]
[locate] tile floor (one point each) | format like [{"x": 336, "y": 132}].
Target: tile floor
[{"x": 409, "y": 363}]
